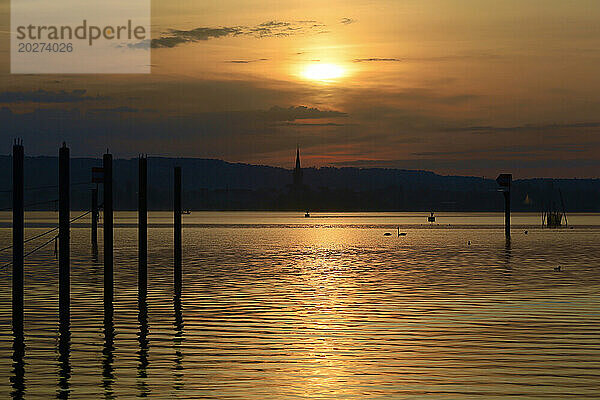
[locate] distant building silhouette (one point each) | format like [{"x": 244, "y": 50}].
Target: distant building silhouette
[{"x": 298, "y": 170}]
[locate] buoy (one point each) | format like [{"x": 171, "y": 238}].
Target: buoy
[{"x": 557, "y": 268}]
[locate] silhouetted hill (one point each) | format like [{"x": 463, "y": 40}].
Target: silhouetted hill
[{"x": 219, "y": 185}]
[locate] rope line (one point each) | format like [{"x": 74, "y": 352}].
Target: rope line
[
  {"x": 47, "y": 232},
  {"x": 33, "y": 251},
  {"x": 81, "y": 216},
  {"x": 32, "y": 238}
]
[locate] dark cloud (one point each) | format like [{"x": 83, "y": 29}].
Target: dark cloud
[
  {"x": 43, "y": 96},
  {"x": 375, "y": 59},
  {"x": 174, "y": 37},
  {"x": 455, "y": 57},
  {"x": 215, "y": 134},
  {"x": 247, "y": 61},
  {"x": 305, "y": 124},
  {"x": 524, "y": 128},
  {"x": 487, "y": 166},
  {"x": 119, "y": 109},
  {"x": 301, "y": 112},
  {"x": 513, "y": 150},
  {"x": 144, "y": 44},
  {"x": 446, "y": 58}
]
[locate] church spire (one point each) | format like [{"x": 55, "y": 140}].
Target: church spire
[
  {"x": 297, "y": 157},
  {"x": 298, "y": 169}
]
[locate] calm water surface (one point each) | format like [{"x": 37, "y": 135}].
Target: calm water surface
[{"x": 278, "y": 306}]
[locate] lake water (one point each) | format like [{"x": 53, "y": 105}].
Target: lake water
[{"x": 278, "y": 306}]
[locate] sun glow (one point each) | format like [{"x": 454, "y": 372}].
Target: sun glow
[{"x": 323, "y": 72}]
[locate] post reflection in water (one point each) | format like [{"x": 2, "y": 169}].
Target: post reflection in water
[
  {"x": 507, "y": 253},
  {"x": 95, "y": 253},
  {"x": 64, "y": 352},
  {"x": 143, "y": 363},
  {"x": 177, "y": 345},
  {"x": 333, "y": 310},
  {"x": 108, "y": 376},
  {"x": 18, "y": 357}
]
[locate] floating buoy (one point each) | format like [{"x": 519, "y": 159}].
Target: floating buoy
[{"x": 557, "y": 268}]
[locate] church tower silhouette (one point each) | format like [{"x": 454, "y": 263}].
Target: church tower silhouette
[{"x": 298, "y": 170}]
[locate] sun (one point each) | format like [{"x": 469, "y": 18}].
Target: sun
[{"x": 323, "y": 72}]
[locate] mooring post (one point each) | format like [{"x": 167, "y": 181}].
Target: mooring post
[
  {"x": 95, "y": 217},
  {"x": 18, "y": 232},
  {"x": 108, "y": 235},
  {"x": 507, "y": 214},
  {"x": 177, "y": 231},
  {"x": 64, "y": 269},
  {"x": 143, "y": 229},
  {"x": 505, "y": 180}
]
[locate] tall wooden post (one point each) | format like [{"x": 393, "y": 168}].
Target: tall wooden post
[
  {"x": 143, "y": 228},
  {"x": 18, "y": 231},
  {"x": 108, "y": 235},
  {"x": 507, "y": 214},
  {"x": 64, "y": 269},
  {"x": 505, "y": 180},
  {"x": 95, "y": 217},
  {"x": 177, "y": 231}
]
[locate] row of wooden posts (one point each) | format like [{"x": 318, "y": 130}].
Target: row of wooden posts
[
  {"x": 64, "y": 263},
  {"x": 64, "y": 268}
]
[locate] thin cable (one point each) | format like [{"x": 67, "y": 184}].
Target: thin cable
[
  {"x": 33, "y": 251},
  {"x": 33, "y": 238},
  {"x": 81, "y": 216},
  {"x": 47, "y": 232}
]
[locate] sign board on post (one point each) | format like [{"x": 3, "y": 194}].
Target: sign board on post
[
  {"x": 504, "y": 180},
  {"x": 97, "y": 175}
]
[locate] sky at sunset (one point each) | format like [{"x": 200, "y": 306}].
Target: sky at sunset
[{"x": 469, "y": 87}]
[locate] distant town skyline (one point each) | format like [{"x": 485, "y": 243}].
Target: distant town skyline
[{"x": 455, "y": 87}]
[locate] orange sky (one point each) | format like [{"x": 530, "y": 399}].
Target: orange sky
[{"x": 465, "y": 87}]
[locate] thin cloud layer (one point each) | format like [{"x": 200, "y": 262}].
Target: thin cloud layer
[
  {"x": 524, "y": 128},
  {"x": 375, "y": 59},
  {"x": 247, "y": 61},
  {"x": 212, "y": 133},
  {"x": 43, "y": 96},
  {"x": 175, "y": 37}
]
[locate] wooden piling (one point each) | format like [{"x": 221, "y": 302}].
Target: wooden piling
[
  {"x": 505, "y": 181},
  {"x": 507, "y": 214},
  {"x": 108, "y": 234},
  {"x": 64, "y": 269},
  {"x": 95, "y": 218},
  {"x": 18, "y": 232},
  {"x": 177, "y": 275},
  {"x": 143, "y": 229}
]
